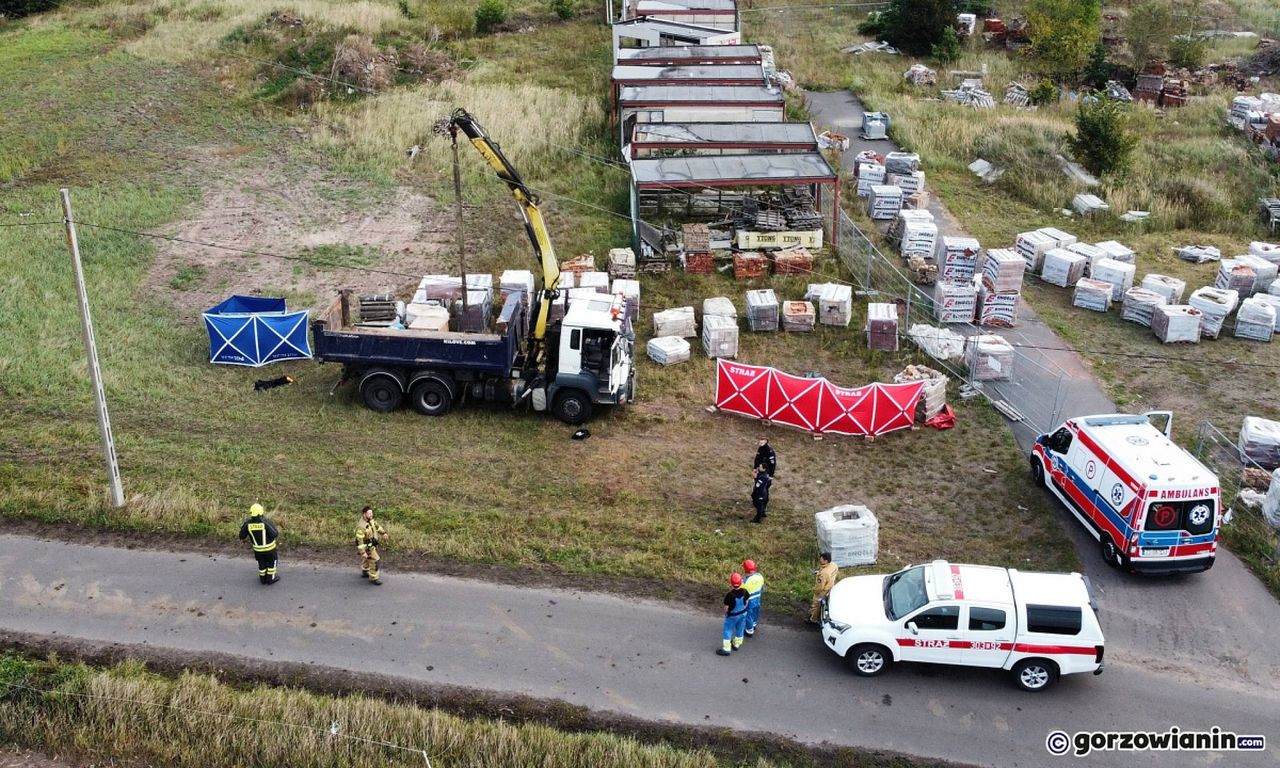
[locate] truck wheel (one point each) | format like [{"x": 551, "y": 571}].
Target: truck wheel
[
  {"x": 868, "y": 659},
  {"x": 1035, "y": 674},
  {"x": 430, "y": 397},
  {"x": 1037, "y": 471},
  {"x": 381, "y": 393},
  {"x": 572, "y": 406},
  {"x": 1114, "y": 556}
]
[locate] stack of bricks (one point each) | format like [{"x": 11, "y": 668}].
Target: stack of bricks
[
  {"x": 749, "y": 266},
  {"x": 697, "y": 248},
  {"x": 579, "y": 264},
  {"x": 793, "y": 261}
]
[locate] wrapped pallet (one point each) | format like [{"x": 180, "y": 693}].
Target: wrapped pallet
[
  {"x": 934, "y": 395},
  {"x": 1256, "y": 320},
  {"x": 1198, "y": 254},
  {"x": 1091, "y": 253},
  {"x": 668, "y": 350},
  {"x": 798, "y": 316},
  {"x": 989, "y": 357},
  {"x": 835, "y": 304},
  {"x": 629, "y": 290},
  {"x": 515, "y": 281},
  {"x": 1215, "y": 304},
  {"x": 1234, "y": 275},
  {"x": 1259, "y": 443},
  {"x": 919, "y": 237},
  {"x": 1032, "y": 246},
  {"x": 675, "y": 322},
  {"x": 1273, "y": 302},
  {"x": 762, "y": 310},
  {"x": 1062, "y": 268},
  {"x": 1092, "y": 294},
  {"x": 869, "y": 175},
  {"x": 582, "y": 294},
  {"x": 1061, "y": 239},
  {"x": 1264, "y": 271},
  {"x": 720, "y": 336},
  {"x": 1271, "y": 504},
  {"x": 621, "y": 263},
  {"x": 1171, "y": 288},
  {"x": 473, "y": 315},
  {"x": 938, "y": 343},
  {"x": 901, "y": 162},
  {"x": 955, "y": 302},
  {"x": 884, "y": 202},
  {"x": 718, "y": 305},
  {"x": 1118, "y": 274},
  {"x": 882, "y": 327},
  {"x": 997, "y": 308},
  {"x": 850, "y": 532},
  {"x": 1003, "y": 269},
  {"x": 1118, "y": 252},
  {"x": 1173, "y": 323},
  {"x": 596, "y": 281},
  {"x": 957, "y": 258},
  {"x": 1140, "y": 305},
  {"x": 1268, "y": 251},
  {"x": 443, "y": 289},
  {"x": 909, "y": 183}
]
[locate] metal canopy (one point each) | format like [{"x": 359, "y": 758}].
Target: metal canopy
[
  {"x": 708, "y": 94},
  {"x": 666, "y": 6},
  {"x": 727, "y": 170},
  {"x": 795, "y": 134},
  {"x": 678, "y": 54},
  {"x": 675, "y": 29},
  {"x": 746, "y": 73}
]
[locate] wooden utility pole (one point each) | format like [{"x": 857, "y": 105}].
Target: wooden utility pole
[
  {"x": 462, "y": 237},
  {"x": 91, "y": 348}
]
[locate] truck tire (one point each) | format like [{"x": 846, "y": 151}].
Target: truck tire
[
  {"x": 572, "y": 406},
  {"x": 381, "y": 392},
  {"x": 431, "y": 397},
  {"x": 868, "y": 659},
  {"x": 1114, "y": 556},
  {"x": 1035, "y": 675}
]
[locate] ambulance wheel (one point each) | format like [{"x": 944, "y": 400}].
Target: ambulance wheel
[
  {"x": 572, "y": 406},
  {"x": 868, "y": 659},
  {"x": 1035, "y": 674},
  {"x": 1113, "y": 555},
  {"x": 1037, "y": 471},
  {"x": 430, "y": 397}
]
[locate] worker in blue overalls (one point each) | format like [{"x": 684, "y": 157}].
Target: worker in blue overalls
[
  {"x": 735, "y": 615},
  {"x": 755, "y": 588}
]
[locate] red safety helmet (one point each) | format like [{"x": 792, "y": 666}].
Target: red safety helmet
[
  {"x": 749, "y": 566},
  {"x": 735, "y": 579}
]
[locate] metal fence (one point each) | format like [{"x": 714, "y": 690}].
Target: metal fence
[{"x": 1220, "y": 453}]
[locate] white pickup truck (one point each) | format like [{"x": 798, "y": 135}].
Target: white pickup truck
[{"x": 1039, "y": 625}]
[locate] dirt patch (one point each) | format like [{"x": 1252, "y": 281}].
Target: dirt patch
[
  {"x": 357, "y": 60},
  {"x": 14, "y": 757}
]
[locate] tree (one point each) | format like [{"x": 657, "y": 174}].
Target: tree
[
  {"x": 489, "y": 15},
  {"x": 563, "y": 9},
  {"x": 1098, "y": 71},
  {"x": 1103, "y": 142},
  {"x": 947, "y": 50},
  {"x": 916, "y": 26},
  {"x": 1187, "y": 51},
  {"x": 1063, "y": 33},
  {"x": 1148, "y": 29}
]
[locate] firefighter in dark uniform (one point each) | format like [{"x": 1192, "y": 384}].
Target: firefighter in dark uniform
[
  {"x": 767, "y": 457},
  {"x": 259, "y": 532},
  {"x": 760, "y": 482}
]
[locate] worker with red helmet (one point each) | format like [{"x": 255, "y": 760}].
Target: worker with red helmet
[
  {"x": 735, "y": 615},
  {"x": 754, "y": 584}
]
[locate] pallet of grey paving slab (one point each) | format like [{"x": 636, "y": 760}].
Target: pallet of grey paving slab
[
  {"x": 1092, "y": 294},
  {"x": 668, "y": 350},
  {"x": 1215, "y": 304},
  {"x": 675, "y": 322},
  {"x": 720, "y": 336},
  {"x": 1171, "y": 288},
  {"x": 1176, "y": 323}
]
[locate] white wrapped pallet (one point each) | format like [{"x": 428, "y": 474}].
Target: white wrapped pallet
[
  {"x": 869, "y": 175},
  {"x": 902, "y": 162},
  {"x": 1139, "y": 305},
  {"x": 919, "y": 238},
  {"x": 1118, "y": 251},
  {"x": 955, "y": 302},
  {"x": 1062, "y": 268},
  {"x": 884, "y": 202},
  {"x": 1273, "y": 302},
  {"x": 1091, "y": 253},
  {"x": 597, "y": 281},
  {"x": 515, "y": 281},
  {"x": 1117, "y": 274},
  {"x": 989, "y": 357},
  {"x": 1198, "y": 254},
  {"x": 1089, "y": 204},
  {"x": 1061, "y": 239},
  {"x": 909, "y": 183},
  {"x": 1264, "y": 271},
  {"x": 621, "y": 263},
  {"x": 1003, "y": 268},
  {"x": 1259, "y": 443},
  {"x": 674, "y": 322},
  {"x": 668, "y": 350},
  {"x": 957, "y": 257},
  {"x": 835, "y": 304},
  {"x": 850, "y": 532},
  {"x": 1271, "y": 504},
  {"x": 1256, "y": 320},
  {"x": 938, "y": 343},
  {"x": 1032, "y": 246},
  {"x": 718, "y": 305},
  {"x": 997, "y": 308},
  {"x": 1215, "y": 304},
  {"x": 1268, "y": 251},
  {"x": 762, "y": 310},
  {"x": 1235, "y": 276},
  {"x": 1176, "y": 323},
  {"x": 719, "y": 336},
  {"x": 1092, "y": 294},
  {"x": 1171, "y": 288}
]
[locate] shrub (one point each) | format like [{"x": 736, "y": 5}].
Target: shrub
[
  {"x": 16, "y": 9},
  {"x": 947, "y": 49},
  {"x": 563, "y": 9},
  {"x": 1103, "y": 142},
  {"x": 1043, "y": 93},
  {"x": 1064, "y": 33},
  {"x": 490, "y": 15},
  {"x": 916, "y": 26},
  {"x": 873, "y": 25},
  {"x": 1098, "y": 71},
  {"x": 1187, "y": 51}
]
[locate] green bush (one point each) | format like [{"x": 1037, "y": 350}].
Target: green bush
[
  {"x": 873, "y": 25},
  {"x": 916, "y": 26},
  {"x": 16, "y": 9},
  {"x": 1103, "y": 142},
  {"x": 947, "y": 49},
  {"x": 490, "y": 15},
  {"x": 1098, "y": 71},
  {"x": 563, "y": 9},
  {"x": 1187, "y": 51},
  {"x": 1043, "y": 93}
]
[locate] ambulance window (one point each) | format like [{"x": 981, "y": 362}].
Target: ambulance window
[
  {"x": 985, "y": 619},
  {"x": 1053, "y": 619},
  {"x": 942, "y": 617},
  {"x": 1060, "y": 441},
  {"x": 1194, "y": 516}
]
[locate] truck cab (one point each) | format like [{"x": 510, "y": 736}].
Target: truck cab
[{"x": 591, "y": 361}]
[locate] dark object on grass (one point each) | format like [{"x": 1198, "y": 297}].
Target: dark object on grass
[
  {"x": 279, "y": 381},
  {"x": 582, "y": 434}
]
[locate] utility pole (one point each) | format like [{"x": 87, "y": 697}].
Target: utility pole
[
  {"x": 462, "y": 237},
  {"x": 91, "y": 348}
]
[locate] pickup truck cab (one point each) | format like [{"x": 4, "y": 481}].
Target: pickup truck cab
[{"x": 1037, "y": 625}]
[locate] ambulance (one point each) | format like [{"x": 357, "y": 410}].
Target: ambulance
[
  {"x": 1152, "y": 506},
  {"x": 1037, "y": 625}
]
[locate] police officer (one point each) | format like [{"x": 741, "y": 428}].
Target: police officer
[
  {"x": 760, "y": 492},
  {"x": 824, "y": 579},
  {"x": 259, "y": 532},
  {"x": 754, "y": 585},
  {"x": 767, "y": 457},
  {"x": 368, "y": 534},
  {"x": 735, "y": 616}
]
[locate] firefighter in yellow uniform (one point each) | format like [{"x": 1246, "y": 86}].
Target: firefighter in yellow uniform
[{"x": 368, "y": 534}]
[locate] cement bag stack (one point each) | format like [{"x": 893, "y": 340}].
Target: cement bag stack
[
  {"x": 1032, "y": 246},
  {"x": 1171, "y": 288},
  {"x": 1003, "y": 269},
  {"x": 1268, "y": 251},
  {"x": 798, "y": 316},
  {"x": 1236, "y": 276},
  {"x": 1117, "y": 274},
  {"x": 1061, "y": 239},
  {"x": 675, "y": 322},
  {"x": 1215, "y": 304},
  {"x": 1260, "y": 443},
  {"x": 919, "y": 233},
  {"x": 955, "y": 302},
  {"x": 835, "y": 304},
  {"x": 1062, "y": 268},
  {"x": 668, "y": 350},
  {"x": 1176, "y": 323},
  {"x": 1118, "y": 252},
  {"x": 957, "y": 258},
  {"x": 1091, "y": 253},
  {"x": 1092, "y": 294},
  {"x": 934, "y": 394},
  {"x": 1256, "y": 320},
  {"x": 989, "y": 357},
  {"x": 850, "y": 532},
  {"x": 884, "y": 202},
  {"x": 998, "y": 308},
  {"x": 719, "y": 336},
  {"x": 1139, "y": 305},
  {"x": 762, "y": 310},
  {"x": 718, "y": 305},
  {"x": 1264, "y": 271}
]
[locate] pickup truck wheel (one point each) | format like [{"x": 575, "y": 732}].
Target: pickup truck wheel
[
  {"x": 1037, "y": 470},
  {"x": 430, "y": 397},
  {"x": 572, "y": 406},
  {"x": 1035, "y": 674},
  {"x": 868, "y": 659},
  {"x": 381, "y": 393},
  {"x": 1114, "y": 556}
]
